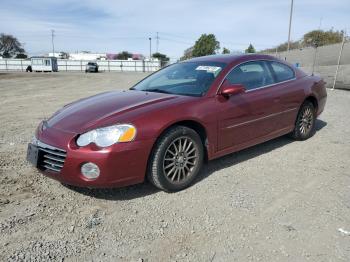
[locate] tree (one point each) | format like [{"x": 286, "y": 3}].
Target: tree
[
  {"x": 21, "y": 56},
  {"x": 9, "y": 46},
  {"x": 161, "y": 57},
  {"x": 312, "y": 38},
  {"x": 124, "y": 55},
  {"x": 205, "y": 45},
  {"x": 225, "y": 51},
  {"x": 188, "y": 53},
  {"x": 320, "y": 37},
  {"x": 250, "y": 49}
]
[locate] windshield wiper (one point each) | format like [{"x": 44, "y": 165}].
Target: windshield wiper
[{"x": 157, "y": 91}]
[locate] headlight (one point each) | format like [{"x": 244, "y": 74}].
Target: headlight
[{"x": 107, "y": 136}]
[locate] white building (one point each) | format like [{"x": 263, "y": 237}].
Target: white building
[
  {"x": 44, "y": 64},
  {"x": 87, "y": 56},
  {"x": 79, "y": 56},
  {"x": 59, "y": 55}
]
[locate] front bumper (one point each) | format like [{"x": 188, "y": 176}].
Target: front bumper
[{"x": 120, "y": 165}]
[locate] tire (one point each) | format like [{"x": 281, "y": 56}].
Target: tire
[
  {"x": 305, "y": 122},
  {"x": 176, "y": 159}
]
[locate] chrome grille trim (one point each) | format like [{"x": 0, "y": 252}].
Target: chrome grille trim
[
  {"x": 50, "y": 157},
  {"x": 53, "y": 163},
  {"x": 53, "y": 158},
  {"x": 52, "y": 168},
  {"x": 60, "y": 153}
]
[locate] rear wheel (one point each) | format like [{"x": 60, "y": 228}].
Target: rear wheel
[
  {"x": 305, "y": 123},
  {"x": 176, "y": 159}
]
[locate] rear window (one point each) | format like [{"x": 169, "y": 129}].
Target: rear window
[{"x": 282, "y": 72}]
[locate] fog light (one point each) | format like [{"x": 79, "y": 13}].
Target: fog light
[{"x": 90, "y": 170}]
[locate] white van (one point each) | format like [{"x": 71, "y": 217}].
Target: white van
[{"x": 44, "y": 64}]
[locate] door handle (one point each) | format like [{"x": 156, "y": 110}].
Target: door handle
[{"x": 277, "y": 99}]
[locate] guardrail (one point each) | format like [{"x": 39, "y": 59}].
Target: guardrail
[{"x": 79, "y": 65}]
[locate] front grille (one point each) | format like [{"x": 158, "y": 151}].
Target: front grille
[{"x": 51, "y": 158}]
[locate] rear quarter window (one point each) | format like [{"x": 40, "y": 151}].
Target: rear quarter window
[{"x": 282, "y": 72}]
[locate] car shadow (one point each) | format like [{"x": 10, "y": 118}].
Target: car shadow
[
  {"x": 145, "y": 189},
  {"x": 115, "y": 194},
  {"x": 249, "y": 153},
  {"x": 320, "y": 124}
]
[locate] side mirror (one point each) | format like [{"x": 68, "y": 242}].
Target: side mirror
[{"x": 228, "y": 89}]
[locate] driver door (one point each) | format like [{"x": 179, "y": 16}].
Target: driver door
[{"x": 247, "y": 116}]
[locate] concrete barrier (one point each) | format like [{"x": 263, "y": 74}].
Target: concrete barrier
[{"x": 326, "y": 55}]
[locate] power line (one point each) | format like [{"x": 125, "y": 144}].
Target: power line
[
  {"x": 178, "y": 36},
  {"x": 176, "y": 41}
]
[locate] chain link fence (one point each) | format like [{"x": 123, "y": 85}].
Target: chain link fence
[{"x": 79, "y": 65}]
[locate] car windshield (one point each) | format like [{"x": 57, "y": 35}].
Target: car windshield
[
  {"x": 90, "y": 63},
  {"x": 187, "y": 78}
]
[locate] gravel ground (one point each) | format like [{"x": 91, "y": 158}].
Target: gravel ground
[{"x": 278, "y": 201}]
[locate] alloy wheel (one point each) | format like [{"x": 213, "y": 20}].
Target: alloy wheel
[
  {"x": 180, "y": 159},
  {"x": 306, "y": 121}
]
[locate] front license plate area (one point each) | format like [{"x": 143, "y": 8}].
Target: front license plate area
[{"x": 33, "y": 154}]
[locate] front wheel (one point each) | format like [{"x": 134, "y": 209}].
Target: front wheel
[
  {"x": 305, "y": 123},
  {"x": 176, "y": 159}
]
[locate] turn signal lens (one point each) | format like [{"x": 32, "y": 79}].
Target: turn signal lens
[{"x": 128, "y": 135}]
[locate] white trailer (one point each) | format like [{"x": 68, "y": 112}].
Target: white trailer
[{"x": 44, "y": 64}]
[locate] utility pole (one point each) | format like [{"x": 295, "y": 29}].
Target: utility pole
[
  {"x": 150, "y": 48},
  {"x": 339, "y": 58},
  {"x": 157, "y": 37},
  {"x": 290, "y": 24},
  {"x": 53, "y": 45},
  {"x": 316, "y": 43}
]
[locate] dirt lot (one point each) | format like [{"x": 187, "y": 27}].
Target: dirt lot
[{"x": 279, "y": 201}]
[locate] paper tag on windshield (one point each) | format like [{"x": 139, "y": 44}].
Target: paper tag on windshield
[{"x": 209, "y": 69}]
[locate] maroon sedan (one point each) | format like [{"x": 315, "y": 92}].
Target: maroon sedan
[{"x": 168, "y": 124}]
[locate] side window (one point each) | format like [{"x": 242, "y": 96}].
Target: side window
[
  {"x": 282, "y": 72},
  {"x": 252, "y": 75},
  {"x": 47, "y": 62},
  {"x": 37, "y": 61}
]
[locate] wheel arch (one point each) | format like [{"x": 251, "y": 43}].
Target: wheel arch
[
  {"x": 313, "y": 100},
  {"x": 190, "y": 123}
]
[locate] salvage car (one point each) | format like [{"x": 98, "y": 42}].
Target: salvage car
[
  {"x": 91, "y": 67},
  {"x": 166, "y": 126}
]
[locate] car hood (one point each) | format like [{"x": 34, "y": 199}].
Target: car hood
[{"x": 88, "y": 113}]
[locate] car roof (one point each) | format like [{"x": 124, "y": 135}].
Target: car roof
[{"x": 228, "y": 59}]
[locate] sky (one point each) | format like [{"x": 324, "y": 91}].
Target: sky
[{"x": 113, "y": 26}]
